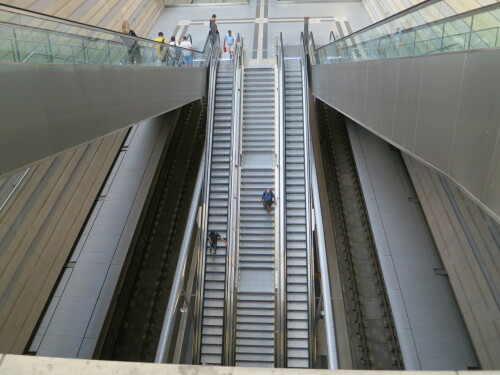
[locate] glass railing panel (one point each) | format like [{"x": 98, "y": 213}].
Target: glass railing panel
[
  {"x": 458, "y": 26},
  {"x": 483, "y": 38},
  {"x": 36, "y": 38},
  {"x": 423, "y": 29},
  {"x": 486, "y": 21}
]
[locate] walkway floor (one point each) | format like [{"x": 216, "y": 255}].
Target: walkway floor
[{"x": 260, "y": 21}]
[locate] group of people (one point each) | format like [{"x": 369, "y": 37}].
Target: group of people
[
  {"x": 268, "y": 200},
  {"x": 169, "y": 54}
]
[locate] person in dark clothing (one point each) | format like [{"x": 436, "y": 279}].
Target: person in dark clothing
[
  {"x": 214, "y": 31},
  {"x": 213, "y": 237},
  {"x": 268, "y": 200},
  {"x": 133, "y": 48}
]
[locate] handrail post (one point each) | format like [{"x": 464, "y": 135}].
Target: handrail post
[
  {"x": 470, "y": 32},
  {"x": 17, "y": 46}
]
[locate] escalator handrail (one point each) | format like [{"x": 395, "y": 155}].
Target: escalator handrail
[
  {"x": 200, "y": 296},
  {"x": 321, "y": 250},
  {"x": 309, "y": 225},
  {"x": 332, "y": 37}
]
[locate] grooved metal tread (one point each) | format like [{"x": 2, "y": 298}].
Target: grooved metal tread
[
  {"x": 255, "y": 309},
  {"x": 215, "y": 266},
  {"x": 296, "y": 279}
]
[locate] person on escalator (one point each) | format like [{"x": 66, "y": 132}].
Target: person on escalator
[
  {"x": 268, "y": 200},
  {"x": 187, "y": 53},
  {"x": 213, "y": 237},
  {"x": 213, "y": 29},
  {"x": 133, "y": 48},
  {"x": 229, "y": 44},
  {"x": 160, "y": 55},
  {"x": 174, "y": 54}
]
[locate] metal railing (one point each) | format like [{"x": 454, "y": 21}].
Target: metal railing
[
  {"x": 280, "y": 259},
  {"x": 177, "y": 292},
  {"x": 309, "y": 224},
  {"x": 422, "y": 29},
  {"x": 233, "y": 209},
  {"x": 204, "y": 217},
  {"x": 33, "y": 37},
  {"x": 320, "y": 237}
]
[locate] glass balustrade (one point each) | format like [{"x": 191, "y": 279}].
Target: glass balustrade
[
  {"x": 423, "y": 29},
  {"x": 35, "y": 38}
]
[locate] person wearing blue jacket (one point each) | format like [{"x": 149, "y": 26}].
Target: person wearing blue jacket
[{"x": 268, "y": 200}]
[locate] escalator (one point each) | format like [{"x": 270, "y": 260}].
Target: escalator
[
  {"x": 214, "y": 281},
  {"x": 298, "y": 245},
  {"x": 256, "y": 296}
]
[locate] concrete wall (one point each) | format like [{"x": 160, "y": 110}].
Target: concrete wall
[
  {"x": 86, "y": 102},
  {"x": 470, "y": 254},
  {"x": 42, "y": 219}
]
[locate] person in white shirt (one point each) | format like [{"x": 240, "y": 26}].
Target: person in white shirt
[
  {"x": 229, "y": 42},
  {"x": 188, "y": 52},
  {"x": 174, "y": 54}
]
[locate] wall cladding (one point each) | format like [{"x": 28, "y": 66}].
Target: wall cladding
[
  {"x": 442, "y": 109},
  {"x": 41, "y": 220},
  {"x": 470, "y": 255}
]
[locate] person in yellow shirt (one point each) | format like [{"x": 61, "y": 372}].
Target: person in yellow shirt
[{"x": 159, "y": 49}]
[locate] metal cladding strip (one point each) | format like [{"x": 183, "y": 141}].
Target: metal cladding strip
[
  {"x": 255, "y": 309},
  {"x": 213, "y": 304},
  {"x": 166, "y": 331},
  {"x": 297, "y": 277}
]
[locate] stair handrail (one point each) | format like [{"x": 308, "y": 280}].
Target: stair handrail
[
  {"x": 309, "y": 223},
  {"x": 332, "y": 37},
  {"x": 280, "y": 259},
  {"x": 202, "y": 253},
  {"x": 331, "y": 345},
  {"x": 233, "y": 224}
]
